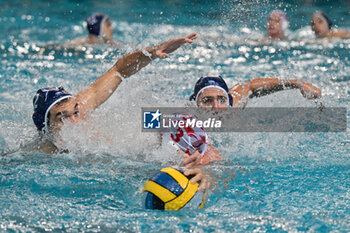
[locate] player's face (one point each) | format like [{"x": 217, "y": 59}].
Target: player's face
[
  {"x": 213, "y": 98},
  {"x": 66, "y": 110},
  {"x": 274, "y": 24},
  {"x": 319, "y": 26}
]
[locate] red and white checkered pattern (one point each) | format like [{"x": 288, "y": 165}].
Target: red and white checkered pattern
[{"x": 189, "y": 139}]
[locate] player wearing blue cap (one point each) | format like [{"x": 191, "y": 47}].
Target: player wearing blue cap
[
  {"x": 100, "y": 31},
  {"x": 212, "y": 91},
  {"x": 322, "y": 26},
  {"x": 53, "y": 105}
]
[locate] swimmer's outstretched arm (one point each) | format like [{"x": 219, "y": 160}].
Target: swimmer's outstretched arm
[
  {"x": 264, "y": 86},
  {"x": 339, "y": 34},
  {"x": 103, "y": 87}
]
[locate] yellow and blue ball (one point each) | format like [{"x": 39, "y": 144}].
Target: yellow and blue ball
[{"x": 170, "y": 189}]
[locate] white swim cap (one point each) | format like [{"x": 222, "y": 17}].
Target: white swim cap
[{"x": 188, "y": 138}]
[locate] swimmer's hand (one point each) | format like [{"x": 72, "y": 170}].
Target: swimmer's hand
[
  {"x": 309, "y": 91},
  {"x": 211, "y": 154},
  {"x": 192, "y": 160},
  {"x": 197, "y": 159},
  {"x": 198, "y": 176},
  {"x": 163, "y": 50}
]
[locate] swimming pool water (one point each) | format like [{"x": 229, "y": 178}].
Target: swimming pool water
[{"x": 267, "y": 182}]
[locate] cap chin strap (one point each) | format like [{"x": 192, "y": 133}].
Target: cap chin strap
[
  {"x": 212, "y": 86},
  {"x": 49, "y": 108}
]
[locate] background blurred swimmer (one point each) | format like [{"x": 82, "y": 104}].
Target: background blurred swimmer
[
  {"x": 53, "y": 106},
  {"x": 322, "y": 26},
  {"x": 277, "y": 25},
  {"x": 100, "y": 31}
]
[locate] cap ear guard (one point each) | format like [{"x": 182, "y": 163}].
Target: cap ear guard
[
  {"x": 230, "y": 99},
  {"x": 285, "y": 25},
  {"x": 192, "y": 97},
  {"x": 38, "y": 120}
]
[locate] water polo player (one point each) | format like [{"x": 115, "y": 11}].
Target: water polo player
[
  {"x": 181, "y": 188},
  {"x": 100, "y": 31},
  {"x": 277, "y": 25},
  {"x": 212, "y": 91},
  {"x": 322, "y": 26},
  {"x": 53, "y": 105}
]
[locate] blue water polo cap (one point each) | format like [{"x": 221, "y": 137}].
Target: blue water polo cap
[
  {"x": 210, "y": 81},
  {"x": 43, "y": 101},
  {"x": 95, "y": 22}
]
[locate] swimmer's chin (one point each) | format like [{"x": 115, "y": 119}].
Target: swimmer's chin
[
  {"x": 50, "y": 148},
  {"x": 42, "y": 146},
  {"x": 51, "y": 143}
]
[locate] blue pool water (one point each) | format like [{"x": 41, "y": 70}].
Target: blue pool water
[{"x": 267, "y": 182}]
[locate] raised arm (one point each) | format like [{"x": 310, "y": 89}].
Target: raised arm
[
  {"x": 99, "y": 91},
  {"x": 339, "y": 34},
  {"x": 264, "y": 86}
]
